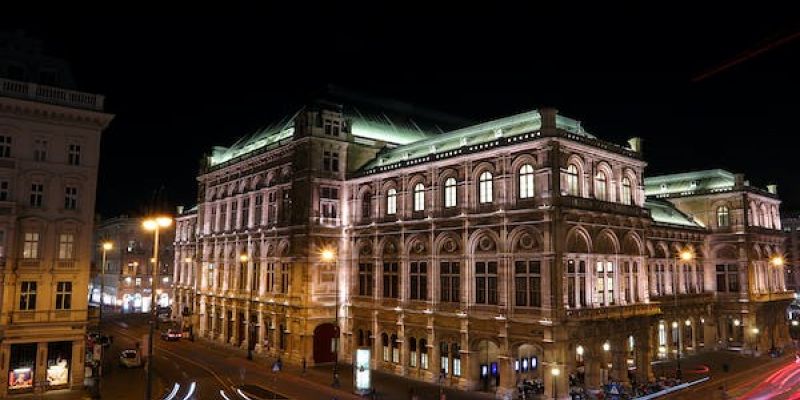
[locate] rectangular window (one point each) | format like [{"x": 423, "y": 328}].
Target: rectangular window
[
  {"x": 37, "y": 194},
  {"x": 66, "y": 244},
  {"x": 285, "y": 277},
  {"x": 40, "y": 150},
  {"x": 232, "y": 220},
  {"x": 419, "y": 280},
  {"x": 256, "y": 276},
  {"x": 5, "y": 194},
  {"x": 74, "y": 154},
  {"x": 366, "y": 280},
  {"x": 258, "y": 208},
  {"x": 486, "y": 282},
  {"x": 330, "y": 161},
  {"x": 270, "y": 277},
  {"x": 528, "y": 283},
  {"x": 450, "y": 282},
  {"x": 27, "y": 296},
  {"x": 5, "y": 146},
  {"x": 331, "y": 127},
  {"x": 272, "y": 208},
  {"x": 733, "y": 278},
  {"x": 245, "y": 213},
  {"x": 30, "y": 249},
  {"x": 70, "y": 198},
  {"x": 391, "y": 280},
  {"x": 64, "y": 296}
]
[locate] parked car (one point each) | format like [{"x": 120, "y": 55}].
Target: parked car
[
  {"x": 130, "y": 358},
  {"x": 171, "y": 334}
]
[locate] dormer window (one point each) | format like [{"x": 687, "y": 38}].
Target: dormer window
[
  {"x": 663, "y": 187},
  {"x": 693, "y": 185},
  {"x": 331, "y": 127}
]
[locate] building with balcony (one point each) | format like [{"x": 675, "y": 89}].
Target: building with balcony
[
  {"x": 791, "y": 228},
  {"x": 49, "y": 153},
  {"x": 129, "y": 266},
  {"x": 472, "y": 254}
]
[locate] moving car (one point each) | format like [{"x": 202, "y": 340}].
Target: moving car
[
  {"x": 130, "y": 359},
  {"x": 171, "y": 334}
]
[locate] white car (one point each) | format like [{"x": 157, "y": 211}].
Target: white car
[{"x": 130, "y": 359}]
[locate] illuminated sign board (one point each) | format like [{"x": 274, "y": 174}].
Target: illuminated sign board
[{"x": 362, "y": 372}]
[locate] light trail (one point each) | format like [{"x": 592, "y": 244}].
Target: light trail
[
  {"x": 174, "y": 391},
  {"x": 191, "y": 391}
]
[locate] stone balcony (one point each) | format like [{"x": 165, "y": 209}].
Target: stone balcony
[
  {"x": 50, "y": 94},
  {"x": 787, "y": 295},
  {"x": 612, "y": 312}
]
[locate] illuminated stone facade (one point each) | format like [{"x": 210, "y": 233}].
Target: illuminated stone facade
[
  {"x": 486, "y": 247},
  {"x": 49, "y": 154}
]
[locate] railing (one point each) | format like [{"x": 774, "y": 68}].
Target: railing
[
  {"x": 45, "y": 316},
  {"x": 65, "y": 264},
  {"x": 775, "y": 296},
  {"x": 684, "y": 298},
  {"x": 618, "y": 311},
  {"x": 50, "y": 94},
  {"x": 599, "y": 205}
]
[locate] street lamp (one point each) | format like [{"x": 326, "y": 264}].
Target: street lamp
[
  {"x": 555, "y": 372},
  {"x": 106, "y": 247},
  {"x": 686, "y": 255},
  {"x": 153, "y": 224},
  {"x": 250, "y": 340},
  {"x": 777, "y": 262},
  {"x": 329, "y": 256}
]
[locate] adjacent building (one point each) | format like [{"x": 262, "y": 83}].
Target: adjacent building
[
  {"x": 49, "y": 153},
  {"x": 129, "y": 266},
  {"x": 791, "y": 227},
  {"x": 477, "y": 253}
]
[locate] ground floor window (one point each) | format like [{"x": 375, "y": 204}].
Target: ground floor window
[
  {"x": 59, "y": 355},
  {"x": 423, "y": 354},
  {"x": 22, "y": 366}
]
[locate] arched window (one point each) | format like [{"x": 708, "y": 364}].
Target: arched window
[
  {"x": 626, "y": 191},
  {"x": 526, "y": 182},
  {"x": 391, "y": 202},
  {"x": 485, "y": 187},
  {"x": 444, "y": 356},
  {"x": 450, "y": 192},
  {"x": 423, "y": 354},
  {"x": 395, "y": 349},
  {"x": 385, "y": 344},
  {"x": 601, "y": 186},
  {"x": 366, "y": 206},
  {"x": 412, "y": 349},
  {"x": 723, "y": 218},
  {"x": 419, "y": 197},
  {"x": 572, "y": 180},
  {"x": 360, "y": 337}
]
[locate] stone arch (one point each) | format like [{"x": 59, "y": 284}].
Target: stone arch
[
  {"x": 525, "y": 239},
  {"x": 447, "y": 243},
  {"x": 284, "y": 247},
  {"x": 578, "y": 240},
  {"x": 632, "y": 245},
  {"x": 417, "y": 245},
  {"x": 755, "y": 252},
  {"x": 484, "y": 241},
  {"x": 651, "y": 250},
  {"x": 605, "y": 168},
  {"x": 606, "y": 243},
  {"x": 364, "y": 247},
  {"x": 388, "y": 247}
]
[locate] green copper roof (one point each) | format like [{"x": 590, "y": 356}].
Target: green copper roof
[
  {"x": 270, "y": 135},
  {"x": 664, "y": 212},
  {"x": 689, "y": 182},
  {"x": 475, "y": 134}
]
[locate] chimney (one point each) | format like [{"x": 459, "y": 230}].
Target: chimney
[
  {"x": 635, "y": 144},
  {"x": 180, "y": 210},
  {"x": 548, "y": 118},
  {"x": 738, "y": 180},
  {"x": 772, "y": 188}
]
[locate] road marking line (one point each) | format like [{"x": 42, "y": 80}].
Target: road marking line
[{"x": 191, "y": 391}]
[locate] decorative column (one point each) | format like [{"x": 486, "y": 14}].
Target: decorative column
[
  {"x": 644, "y": 354},
  {"x": 619, "y": 367}
]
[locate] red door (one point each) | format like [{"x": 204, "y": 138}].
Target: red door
[{"x": 323, "y": 343}]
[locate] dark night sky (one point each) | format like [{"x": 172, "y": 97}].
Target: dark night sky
[{"x": 179, "y": 85}]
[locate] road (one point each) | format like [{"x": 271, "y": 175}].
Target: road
[{"x": 219, "y": 372}]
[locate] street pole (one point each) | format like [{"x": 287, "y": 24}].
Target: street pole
[
  {"x": 154, "y": 225},
  {"x": 106, "y": 246},
  {"x": 338, "y": 334}
]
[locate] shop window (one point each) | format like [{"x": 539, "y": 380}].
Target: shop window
[
  {"x": 22, "y": 366},
  {"x": 59, "y": 355}
]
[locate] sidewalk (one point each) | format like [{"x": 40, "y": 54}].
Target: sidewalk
[{"x": 387, "y": 386}]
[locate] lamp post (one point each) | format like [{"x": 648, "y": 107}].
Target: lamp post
[
  {"x": 777, "y": 262},
  {"x": 106, "y": 246},
  {"x": 192, "y": 310},
  {"x": 155, "y": 225},
  {"x": 329, "y": 256},
  {"x": 250, "y": 340},
  {"x": 555, "y": 372},
  {"x": 686, "y": 256}
]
